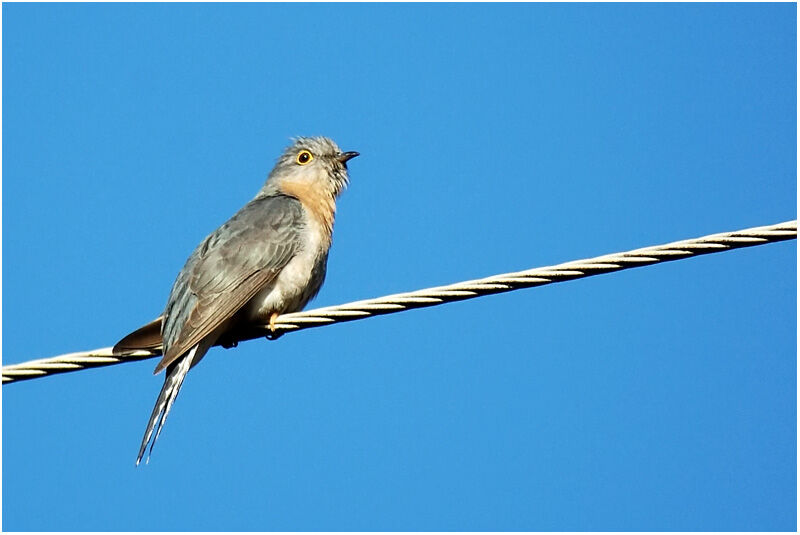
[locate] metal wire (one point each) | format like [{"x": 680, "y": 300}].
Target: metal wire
[{"x": 435, "y": 296}]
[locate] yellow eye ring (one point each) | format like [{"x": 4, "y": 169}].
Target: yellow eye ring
[{"x": 304, "y": 157}]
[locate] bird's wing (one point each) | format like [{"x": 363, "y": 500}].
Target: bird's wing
[{"x": 228, "y": 269}]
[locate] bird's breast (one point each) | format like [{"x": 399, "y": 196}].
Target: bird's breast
[{"x": 299, "y": 281}]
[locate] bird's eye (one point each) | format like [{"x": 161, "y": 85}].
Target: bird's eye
[{"x": 303, "y": 157}]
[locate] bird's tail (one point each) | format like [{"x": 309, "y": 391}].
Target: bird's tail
[{"x": 176, "y": 372}]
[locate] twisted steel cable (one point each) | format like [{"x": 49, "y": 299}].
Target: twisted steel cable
[{"x": 435, "y": 296}]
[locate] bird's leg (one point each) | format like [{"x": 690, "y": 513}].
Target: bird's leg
[{"x": 273, "y": 333}]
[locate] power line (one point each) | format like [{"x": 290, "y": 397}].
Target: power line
[{"x": 390, "y": 304}]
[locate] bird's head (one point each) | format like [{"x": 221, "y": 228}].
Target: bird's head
[{"x": 314, "y": 162}]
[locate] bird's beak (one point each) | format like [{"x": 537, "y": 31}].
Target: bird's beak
[{"x": 344, "y": 156}]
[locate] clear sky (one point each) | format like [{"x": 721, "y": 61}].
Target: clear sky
[{"x": 493, "y": 138}]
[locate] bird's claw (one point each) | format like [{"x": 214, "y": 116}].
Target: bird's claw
[{"x": 272, "y": 332}]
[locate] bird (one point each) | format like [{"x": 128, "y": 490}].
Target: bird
[{"x": 269, "y": 258}]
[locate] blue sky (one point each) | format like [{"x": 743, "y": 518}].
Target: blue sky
[{"x": 493, "y": 138}]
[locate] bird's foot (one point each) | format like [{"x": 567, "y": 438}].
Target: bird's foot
[
  {"x": 227, "y": 344},
  {"x": 273, "y": 333}
]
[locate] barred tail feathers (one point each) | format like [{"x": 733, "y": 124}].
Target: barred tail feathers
[{"x": 176, "y": 373}]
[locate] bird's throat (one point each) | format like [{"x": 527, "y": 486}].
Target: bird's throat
[{"x": 319, "y": 202}]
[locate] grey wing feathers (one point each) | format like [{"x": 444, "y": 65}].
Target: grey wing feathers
[{"x": 228, "y": 269}]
